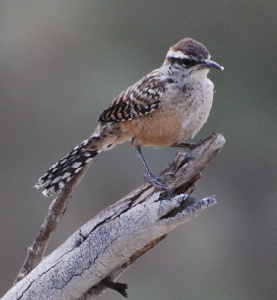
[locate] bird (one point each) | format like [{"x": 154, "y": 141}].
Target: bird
[{"x": 163, "y": 109}]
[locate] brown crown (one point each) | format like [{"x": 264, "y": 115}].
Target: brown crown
[{"x": 191, "y": 47}]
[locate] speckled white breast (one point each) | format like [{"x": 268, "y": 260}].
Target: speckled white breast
[{"x": 197, "y": 112}]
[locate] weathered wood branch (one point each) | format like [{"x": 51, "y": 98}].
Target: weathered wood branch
[
  {"x": 96, "y": 254},
  {"x": 56, "y": 210}
]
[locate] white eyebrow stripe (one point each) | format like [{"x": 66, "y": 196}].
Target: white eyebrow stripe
[
  {"x": 179, "y": 54},
  {"x": 176, "y": 54}
]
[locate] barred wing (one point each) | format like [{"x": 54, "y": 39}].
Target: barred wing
[{"x": 137, "y": 101}]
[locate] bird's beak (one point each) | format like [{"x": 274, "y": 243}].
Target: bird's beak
[{"x": 206, "y": 63}]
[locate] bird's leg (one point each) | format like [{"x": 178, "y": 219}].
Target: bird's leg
[{"x": 155, "y": 181}]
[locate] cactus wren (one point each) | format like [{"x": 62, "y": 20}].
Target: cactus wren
[{"x": 164, "y": 108}]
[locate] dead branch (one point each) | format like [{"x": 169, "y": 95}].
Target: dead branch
[{"x": 95, "y": 255}]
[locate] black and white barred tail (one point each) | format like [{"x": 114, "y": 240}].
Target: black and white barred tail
[
  {"x": 68, "y": 166},
  {"x": 105, "y": 137}
]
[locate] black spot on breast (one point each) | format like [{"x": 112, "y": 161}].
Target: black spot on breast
[{"x": 187, "y": 88}]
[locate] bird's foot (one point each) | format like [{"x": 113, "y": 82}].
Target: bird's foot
[
  {"x": 157, "y": 183},
  {"x": 189, "y": 146}
]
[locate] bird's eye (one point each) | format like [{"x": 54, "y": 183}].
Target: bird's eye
[{"x": 188, "y": 62}]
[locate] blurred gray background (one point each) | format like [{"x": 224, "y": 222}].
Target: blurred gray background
[{"x": 62, "y": 62}]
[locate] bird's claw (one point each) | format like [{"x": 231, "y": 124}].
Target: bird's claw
[{"x": 156, "y": 182}]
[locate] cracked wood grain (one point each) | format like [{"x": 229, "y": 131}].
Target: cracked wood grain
[{"x": 95, "y": 255}]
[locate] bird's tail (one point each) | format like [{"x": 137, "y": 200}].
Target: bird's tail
[{"x": 67, "y": 167}]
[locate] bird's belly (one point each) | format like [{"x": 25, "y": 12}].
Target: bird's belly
[
  {"x": 161, "y": 128},
  {"x": 157, "y": 129}
]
